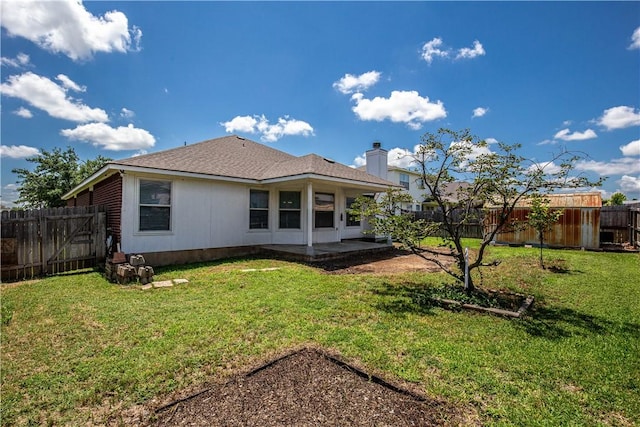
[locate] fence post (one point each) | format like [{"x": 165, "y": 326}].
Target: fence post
[{"x": 466, "y": 269}]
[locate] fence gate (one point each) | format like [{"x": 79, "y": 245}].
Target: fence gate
[
  {"x": 49, "y": 241},
  {"x": 634, "y": 227}
]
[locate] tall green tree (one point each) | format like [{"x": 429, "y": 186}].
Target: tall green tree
[
  {"x": 55, "y": 173},
  {"x": 616, "y": 199},
  {"x": 493, "y": 176},
  {"x": 542, "y": 218}
]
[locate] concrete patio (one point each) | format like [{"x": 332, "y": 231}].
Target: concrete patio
[{"x": 326, "y": 251}]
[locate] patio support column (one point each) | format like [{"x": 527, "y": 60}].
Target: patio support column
[{"x": 309, "y": 216}]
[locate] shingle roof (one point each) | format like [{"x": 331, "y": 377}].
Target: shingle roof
[
  {"x": 236, "y": 157},
  {"x": 229, "y": 156},
  {"x": 317, "y": 165}
]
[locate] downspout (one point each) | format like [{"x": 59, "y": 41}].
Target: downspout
[{"x": 309, "y": 218}]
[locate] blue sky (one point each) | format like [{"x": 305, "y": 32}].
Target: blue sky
[{"x": 122, "y": 78}]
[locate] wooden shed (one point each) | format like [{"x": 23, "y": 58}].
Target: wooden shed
[{"x": 578, "y": 227}]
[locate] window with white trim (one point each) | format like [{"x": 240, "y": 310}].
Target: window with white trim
[
  {"x": 324, "y": 207},
  {"x": 154, "y": 205},
  {"x": 352, "y": 220},
  {"x": 258, "y": 209},
  {"x": 289, "y": 209},
  {"x": 404, "y": 180}
]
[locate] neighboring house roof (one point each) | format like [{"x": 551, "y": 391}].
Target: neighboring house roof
[
  {"x": 450, "y": 191},
  {"x": 234, "y": 157},
  {"x": 403, "y": 170},
  {"x": 391, "y": 168}
]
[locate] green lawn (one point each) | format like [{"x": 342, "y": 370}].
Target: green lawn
[{"x": 78, "y": 350}]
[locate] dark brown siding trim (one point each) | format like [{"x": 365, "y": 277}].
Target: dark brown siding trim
[{"x": 108, "y": 192}]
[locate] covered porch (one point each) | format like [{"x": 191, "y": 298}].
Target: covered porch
[{"x": 327, "y": 251}]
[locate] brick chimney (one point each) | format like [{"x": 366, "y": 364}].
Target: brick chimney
[{"x": 377, "y": 161}]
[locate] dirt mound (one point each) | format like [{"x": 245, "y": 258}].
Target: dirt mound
[
  {"x": 309, "y": 388},
  {"x": 395, "y": 261}
]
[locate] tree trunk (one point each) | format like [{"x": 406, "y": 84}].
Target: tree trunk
[
  {"x": 468, "y": 283},
  {"x": 470, "y": 286},
  {"x": 541, "y": 235}
]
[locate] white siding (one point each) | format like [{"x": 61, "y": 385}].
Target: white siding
[
  {"x": 417, "y": 193},
  {"x": 203, "y": 215},
  {"x": 213, "y": 214}
]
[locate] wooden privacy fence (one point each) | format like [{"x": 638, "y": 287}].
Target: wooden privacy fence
[
  {"x": 614, "y": 224},
  {"x": 472, "y": 229},
  {"x": 634, "y": 226},
  {"x": 49, "y": 241}
]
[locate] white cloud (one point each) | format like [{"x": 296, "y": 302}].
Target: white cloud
[
  {"x": 479, "y": 112},
  {"x": 360, "y": 160},
  {"x": 67, "y": 27},
  {"x": 469, "y": 53},
  {"x": 9, "y": 195},
  {"x": 46, "y": 95},
  {"x": 432, "y": 49},
  {"x": 549, "y": 168},
  {"x": 401, "y": 107},
  {"x": 614, "y": 167},
  {"x": 20, "y": 61},
  {"x": 491, "y": 140},
  {"x": 349, "y": 83},
  {"x": 109, "y": 138},
  {"x": 125, "y": 113},
  {"x": 285, "y": 126},
  {"x": 631, "y": 149},
  {"x": 619, "y": 117},
  {"x": 566, "y": 135},
  {"x": 629, "y": 184},
  {"x": 476, "y": 150},
  {"x": 269, "y": 132},
  {"x": 70, "y": 84},
  {"x": 24, "y": 113},
  {"x": 604, "y": 194},
  {"x": 635, "y": 39},
  {"x": 399, "y": 157},
  {"x": 547, "y": 141},
  {"x": 18, "y": 151},
  {"x": 240, "y": 124}
]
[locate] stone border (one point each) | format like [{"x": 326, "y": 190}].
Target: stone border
[
  {"x": 524, "y": 307},
  {"x": 163, "y": 284}
]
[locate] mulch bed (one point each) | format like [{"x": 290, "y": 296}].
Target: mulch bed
[{"x": 309, "y": 388}]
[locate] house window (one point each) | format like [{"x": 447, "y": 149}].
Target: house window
[
  {"x": 155, "y": 205},
  {"x": 404, "y": 180},
  {"x": 352, "y": 220},
  {"x": 258, "y": 209},
  {"x": 290, "y": 209},
  {"x": 323, "y": 208}
]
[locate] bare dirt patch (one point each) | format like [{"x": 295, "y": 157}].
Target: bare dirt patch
[
  {"x": 395, "y": 261},
  {"x": 310, "y": 388}
]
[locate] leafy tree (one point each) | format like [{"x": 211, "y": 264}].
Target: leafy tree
[
  {"x": 387, "y": 217},
  {"x": 463, "y": 176},
  {"x": 616, "y": 199},
  {"x": 56, "y": 172},
  {"x": 542, "y": 218},
  {"x": 90, "y": 166}
]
